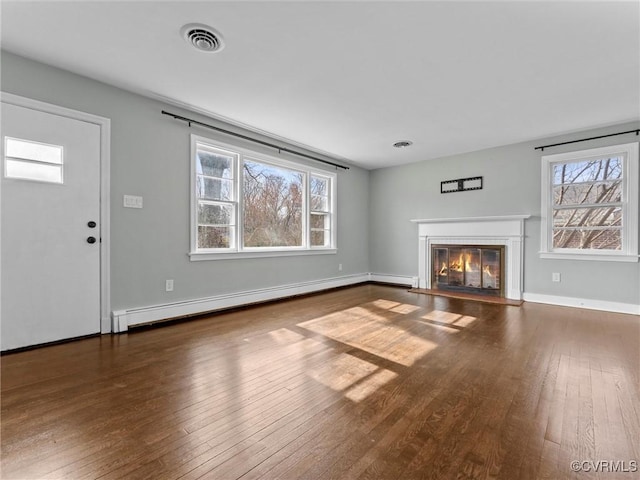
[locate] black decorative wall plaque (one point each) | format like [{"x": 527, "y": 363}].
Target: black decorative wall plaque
[{"x": 461, "y": 185}]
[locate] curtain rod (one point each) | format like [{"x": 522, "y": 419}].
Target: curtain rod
[
  {"x": 255, "y": 140},
  {"x": 636, "y": 131}
]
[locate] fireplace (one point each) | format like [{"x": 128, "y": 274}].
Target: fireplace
[
  {"x": 505, "y": 232},
  {"x": 468, "y": 268}
]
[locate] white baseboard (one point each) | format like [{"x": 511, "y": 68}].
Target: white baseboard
[
  {"x": 583, "y": 303},
  {"x": 394, "y": 279},
  {"x": 123, "y": 319}
]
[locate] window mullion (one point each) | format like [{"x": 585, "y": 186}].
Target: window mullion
[
  {"x": 30, "y": 160},
  {"x": 593, "y": 182},
  {"x": 599, "y": 228},
  {"x": 572, "y": 206},
  {"x": 240, "y": 204},
  {"x": 306, "y": 210}
]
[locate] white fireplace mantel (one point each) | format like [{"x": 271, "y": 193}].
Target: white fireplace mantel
[{"x": 506, "y": 230}]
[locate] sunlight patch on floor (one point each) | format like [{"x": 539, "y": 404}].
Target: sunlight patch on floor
[
  {"x": 342, "y": 371},
  {"x": 284, "y": 336},
  {"x": 465, "y": 321},
  {"x": 370, "y": 385},
  {"x": 385, "y": 304},
  {"x": 354, "y": 376},
  {"x": 438, "y": 317},
  {"x": 372, "y": 333},
  {"x": 441, "y": 328},
  {"x": 403, "y": 308}
]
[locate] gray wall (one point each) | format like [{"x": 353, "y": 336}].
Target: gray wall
[
  {"x": 511, "y": 186},
  {"x": 150, "y": 157}
]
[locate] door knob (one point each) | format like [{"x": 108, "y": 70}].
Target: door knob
[
  {"x": 91, "y": 240},
  {"x": 91, "y": 224}
]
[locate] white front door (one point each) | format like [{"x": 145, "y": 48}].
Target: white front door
[{"x": 50, "y": 201}]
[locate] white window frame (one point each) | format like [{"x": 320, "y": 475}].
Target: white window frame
[
  {"x": 328, "y": 212},
  {"x": 238, "y": 250},
  {"x": 629, "y": 251},
  {"x": 233, "y": 202}
]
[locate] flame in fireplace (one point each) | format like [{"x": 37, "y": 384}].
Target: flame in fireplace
[
  {"x": 443, "y": 269},
  {"x": 463, "y": 263},
  {"x": 487, "y": 270},
  {"x": 467, "y": 264},
  {"x": 456, "y": 265}
]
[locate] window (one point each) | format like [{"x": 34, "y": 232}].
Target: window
[
  {"x": 247, "y": 204},
  {"x": 27, "y": 160},
  {"x": 272, "y": 205},
  {"x": 216, "y": 197},
  {"x": 590, "y": 204},
  {"x": 320, "y": 212}
]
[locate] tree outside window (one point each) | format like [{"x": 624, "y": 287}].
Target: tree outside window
[
  {"x": 587, "y": 204},
  {"x": 272, "y": 206},
  {"x": 244, "y": 203},
  {"x": 590, "y": 204}
]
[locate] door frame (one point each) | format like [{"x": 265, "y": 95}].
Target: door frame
[{"x": 105, "y": 193}]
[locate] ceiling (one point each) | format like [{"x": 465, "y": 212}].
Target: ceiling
[{"x": 349, "y": 79}]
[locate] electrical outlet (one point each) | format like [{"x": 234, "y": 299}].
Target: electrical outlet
[
  {"x": 168, "y": 285},
  {"x": 555, "y": 277},
  {"x": 339, "y": 267}
]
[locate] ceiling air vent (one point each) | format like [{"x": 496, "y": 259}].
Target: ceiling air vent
[
  {"x": 403, "y": 144},
  {"x": 202, "y": 37}
]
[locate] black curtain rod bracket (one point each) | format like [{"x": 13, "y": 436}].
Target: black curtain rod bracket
[
  {"x": 280, "y": 149},
  {"x": 541, "y": 148}
]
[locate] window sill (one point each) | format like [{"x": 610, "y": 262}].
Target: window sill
[
  {"x": 204, "y": 256},
  {"x": 589, "y": 256}
]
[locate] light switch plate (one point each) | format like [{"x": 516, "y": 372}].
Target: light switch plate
[{"x": 132, "y": 201}]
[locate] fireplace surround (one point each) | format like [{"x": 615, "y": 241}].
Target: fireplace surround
[{"x": 505, "y": 231}]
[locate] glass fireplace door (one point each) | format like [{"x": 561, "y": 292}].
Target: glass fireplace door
[{"x": 474, "y": 269}]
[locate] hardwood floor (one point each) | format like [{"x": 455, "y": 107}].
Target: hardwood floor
[{"x": 368, "y": 382}]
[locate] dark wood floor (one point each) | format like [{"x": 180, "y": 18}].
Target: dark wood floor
[{"x": 368, "y": 382}]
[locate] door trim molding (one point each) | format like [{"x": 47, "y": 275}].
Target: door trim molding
[{"x": 105, "y": 185}]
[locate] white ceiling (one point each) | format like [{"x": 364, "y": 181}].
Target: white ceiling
[{"x": 351, "y": 78}]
